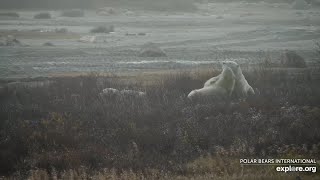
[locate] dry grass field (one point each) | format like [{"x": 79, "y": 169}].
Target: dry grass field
[{"x": 64, "y": 129}]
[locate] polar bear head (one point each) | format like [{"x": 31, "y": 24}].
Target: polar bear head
[
  {"x": 227, "y": 80},
  {"x": 193, "y": 95},
  {"x": 235, "y": 67},
  {"x": 226, "y": 74}
]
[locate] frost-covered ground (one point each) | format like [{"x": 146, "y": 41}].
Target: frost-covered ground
[{"x": 244, "y": 32}]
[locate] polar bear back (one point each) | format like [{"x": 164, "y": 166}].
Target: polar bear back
[
  {"x": 211, "y": 81},
  {"x": 208, "y": 93},
  {"x": 219, "y": 90},
  {"x": 241, "y": 86}
]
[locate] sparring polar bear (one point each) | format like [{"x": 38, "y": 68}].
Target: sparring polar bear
[
  {"x": 242, "y": 87},
  {"x": 221, "y": 89}
]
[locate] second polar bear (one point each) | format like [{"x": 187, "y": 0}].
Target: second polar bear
[
  {"x": 221, "y": 89},
  {"x": 242, "y": 87}
]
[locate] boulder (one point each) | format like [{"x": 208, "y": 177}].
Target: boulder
[
  {"x": 42, "y": 15},
  {"x": 73, "y": 13},
  {"x": 151, "y": 50},
  {"x": 61, "y": 30},
  {"x": 103, "y": 29},
  {"x": 9, "y": 41},
  {"x": 9, "y": 14},
  {"x": 142, "y": 34},
  {"x": 48, "y": 44}
]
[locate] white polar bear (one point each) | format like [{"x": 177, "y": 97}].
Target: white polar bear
[
  {"x": 125, "y": 92},
  {"x": 222, "y": 89},
  {"x": 242, "y": 87}
]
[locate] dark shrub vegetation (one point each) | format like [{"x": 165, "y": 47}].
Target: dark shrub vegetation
[
  {"x": 67, "y": 124},
  {"x": 292, "y": 59}
]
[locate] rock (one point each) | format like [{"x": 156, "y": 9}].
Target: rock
[
  {"x": 292, "y": 59},
  {"x": 61, "y": 30},
  {"x": 152, "y": 50},
  {"x": 300, "y": 5},
  {"x": 131, "y": 34},
  {"x": 73, "y": 13},
  {"x": 42, "y": 15},
  {"x": 219, "y": 17},
  {"x": 9, "y": 41},
  {"x": 103, "y": 29},
  {"x": 10, "y": 14},
  {"x": 48, "y": 44},
  {"x": 142, "y": 34}
]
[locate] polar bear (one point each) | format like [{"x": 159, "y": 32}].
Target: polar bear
[
  {"x": 242, "y": 87},
  {"x": 222, "y": 89}
]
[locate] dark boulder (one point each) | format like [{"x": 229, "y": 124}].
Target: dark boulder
[{"x": 151, "y": 50}]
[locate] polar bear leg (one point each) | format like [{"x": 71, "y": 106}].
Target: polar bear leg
[{"x": 250, "y": 91}]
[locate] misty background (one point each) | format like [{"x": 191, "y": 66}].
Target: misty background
[
  {"x": 64, "y": 4},
  {"x": 101, "y": 87},
  {"x": 148, "y": 4}
]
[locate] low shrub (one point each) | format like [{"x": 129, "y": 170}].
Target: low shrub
[
  {"x": 67, "y": 124},
  {"x": 103, "y": 29}
]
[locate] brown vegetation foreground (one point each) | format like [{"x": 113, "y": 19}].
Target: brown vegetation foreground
[{"x": 66, "y": 130}]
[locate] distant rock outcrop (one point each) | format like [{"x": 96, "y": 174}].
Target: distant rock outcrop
[
  {"x": 9, "y": 41},
  {"x": 48, "y": 44},
  {"x": 292, "y": 59},
  {"x": 42, "y": 15},
  {"x": 151, "y": 50},
  {"x": 9, "y": 14},
  {"x": 103, "y": 29},
  {"x": 73, "y": 13},
  {"x": 61, "y": 30}
]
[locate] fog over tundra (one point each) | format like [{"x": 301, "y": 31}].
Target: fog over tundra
[
  {"x": 63, "y": 4},
  {"x": 158, "y": 89},
  {"x": 108, "y": 37}
]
